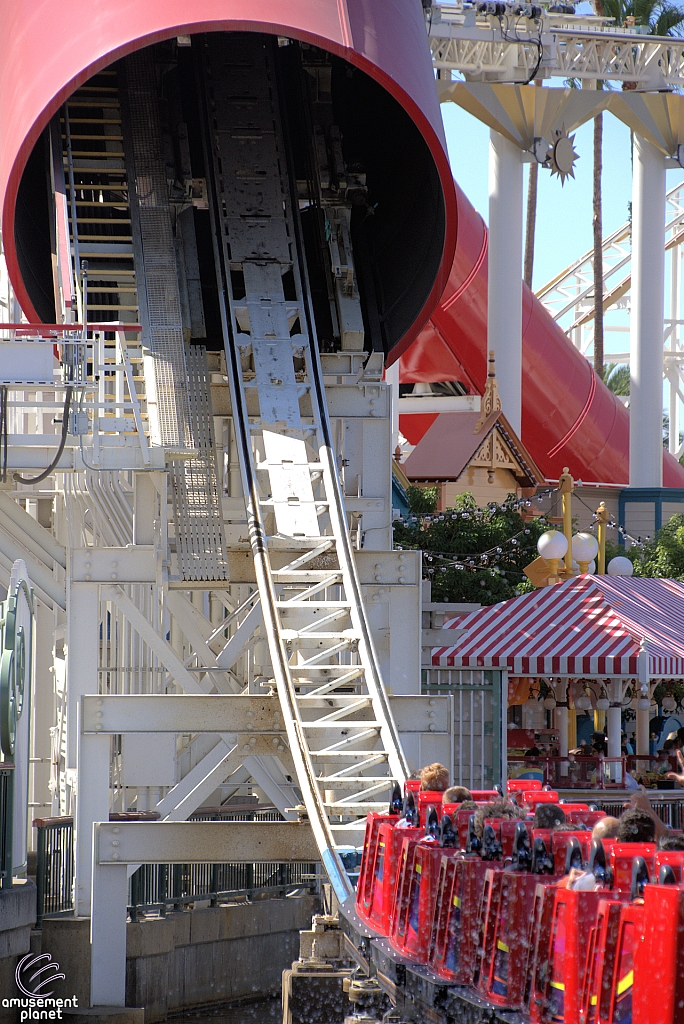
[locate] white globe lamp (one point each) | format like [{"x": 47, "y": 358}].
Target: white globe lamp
[
  {"x": 602, "y": 704},
  {"x": 583, "y": 703},
  {"x": 669, "y": 703},
  {"x": 620, "y": 566},
  {"x": 584, "y": 550},
  {"x": 643, "y": 704},
  {"x": 549, "y": 703},
  {"x": 552, "y": 546}
]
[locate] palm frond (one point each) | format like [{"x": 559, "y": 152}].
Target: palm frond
[
  {"x": 616, "y": 377},
  {"x": 646, "y": 11},
  {"x": 669, "y": 21},
  {"x": 618, "y": 10}
]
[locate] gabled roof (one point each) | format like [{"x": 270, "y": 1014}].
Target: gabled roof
[
  {"x": 589, "y": 625},
  {"x": 457, "y": 439}
]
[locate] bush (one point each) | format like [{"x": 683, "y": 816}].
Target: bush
[{"x": 470, "y": 554}]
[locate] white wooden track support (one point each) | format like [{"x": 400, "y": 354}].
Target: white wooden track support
[{"x": 345, "y": 748}]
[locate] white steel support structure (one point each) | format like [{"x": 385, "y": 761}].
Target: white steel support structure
[
  {"x": 228, "y": 537},
  {"x": 504, "y": 46},
  {"x": 646, "y": 331},
  {"x": 133, "y": 611},
  {"x": 504, "y": 311}
]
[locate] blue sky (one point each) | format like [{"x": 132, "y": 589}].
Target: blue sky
[{"x": 564, "y": 212}]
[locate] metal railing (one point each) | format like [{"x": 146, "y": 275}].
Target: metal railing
[
  {"x": 6, "y": 823},
  {"x": 54, "y": 867},
  {"x": 669, "y": 809},
  {"x": 572, "y": 772},
  {"x": 155, "y": 887},
  {"x": 162, "y": 887},
  {"x": 652, "y": 771},
  {"x": 243, "y": 814}
]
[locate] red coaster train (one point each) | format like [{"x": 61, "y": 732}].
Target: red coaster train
[{"x": 474, "y": 926}]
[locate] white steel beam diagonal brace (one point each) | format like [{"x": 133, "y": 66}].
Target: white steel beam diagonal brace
[
  {"x": 175, "y": 667},
  {"x": 572, "y": 289}
]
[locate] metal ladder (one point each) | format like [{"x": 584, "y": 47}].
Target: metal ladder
[
  {"x": 340, "y": 730},
  {"x": 98, "y": 202}
]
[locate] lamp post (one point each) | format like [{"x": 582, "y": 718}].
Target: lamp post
[
  {"x": 552, "y": 546},
  {"x": 566, "y": 486},
  {"x": 601, "y": 523},
  {"x": 584, "y": 550}
]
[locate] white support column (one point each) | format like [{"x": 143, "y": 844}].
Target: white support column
[
  {"x": 92, "y": 804},
  {"x": 673, "y": 346},
  {"x": 392, "y": 378},
  {"x": 646, "y": 321},
  {"x": 83, "y": 637},
  {"x": 504, "y": 317},
  {"x": 42, "y": 715},
  {"x": 108, "y": 931},
  {"x": 562, "y": 726},
  {"x": 614, "y": 728}
]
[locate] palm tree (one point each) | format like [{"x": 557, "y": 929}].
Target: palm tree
[
  {"x": 531, "y": 222},
  {"x": 662, "y": 17},
  {"x": 531, "y": 215},
  {"x": 616, "y": 377}
]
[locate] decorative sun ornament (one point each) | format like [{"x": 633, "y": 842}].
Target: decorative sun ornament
[{"x": 562, "y": 154}]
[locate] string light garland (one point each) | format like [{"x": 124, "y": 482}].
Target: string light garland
[
  {"x": 478, "y": 514},
  {"x": 497, "y": 569},
  {"x": 493, "y": 571}
]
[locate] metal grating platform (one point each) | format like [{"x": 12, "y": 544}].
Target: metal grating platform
[
  {"x": 200, "y": 543},
  {"x": 160, "y": 304}
]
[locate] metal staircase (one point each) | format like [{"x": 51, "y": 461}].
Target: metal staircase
[
  {"x": 340, "y": 731},
  {"x": 96, "y": 187}
]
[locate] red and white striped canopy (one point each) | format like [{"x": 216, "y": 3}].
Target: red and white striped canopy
[{"x": 589, "y": 625}]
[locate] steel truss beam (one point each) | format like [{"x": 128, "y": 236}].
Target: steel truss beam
[{"x": 515, "y": 49}]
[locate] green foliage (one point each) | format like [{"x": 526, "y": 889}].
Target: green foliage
[
  {"x": 669, "y": 688},
  {"x": 471, "y": 553},
  {"x": 616, "y": 377},
  {"x": 664, "y": 555},
  {"x": 661, "y": 17},
  {"x": 422, "y": 500}
]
